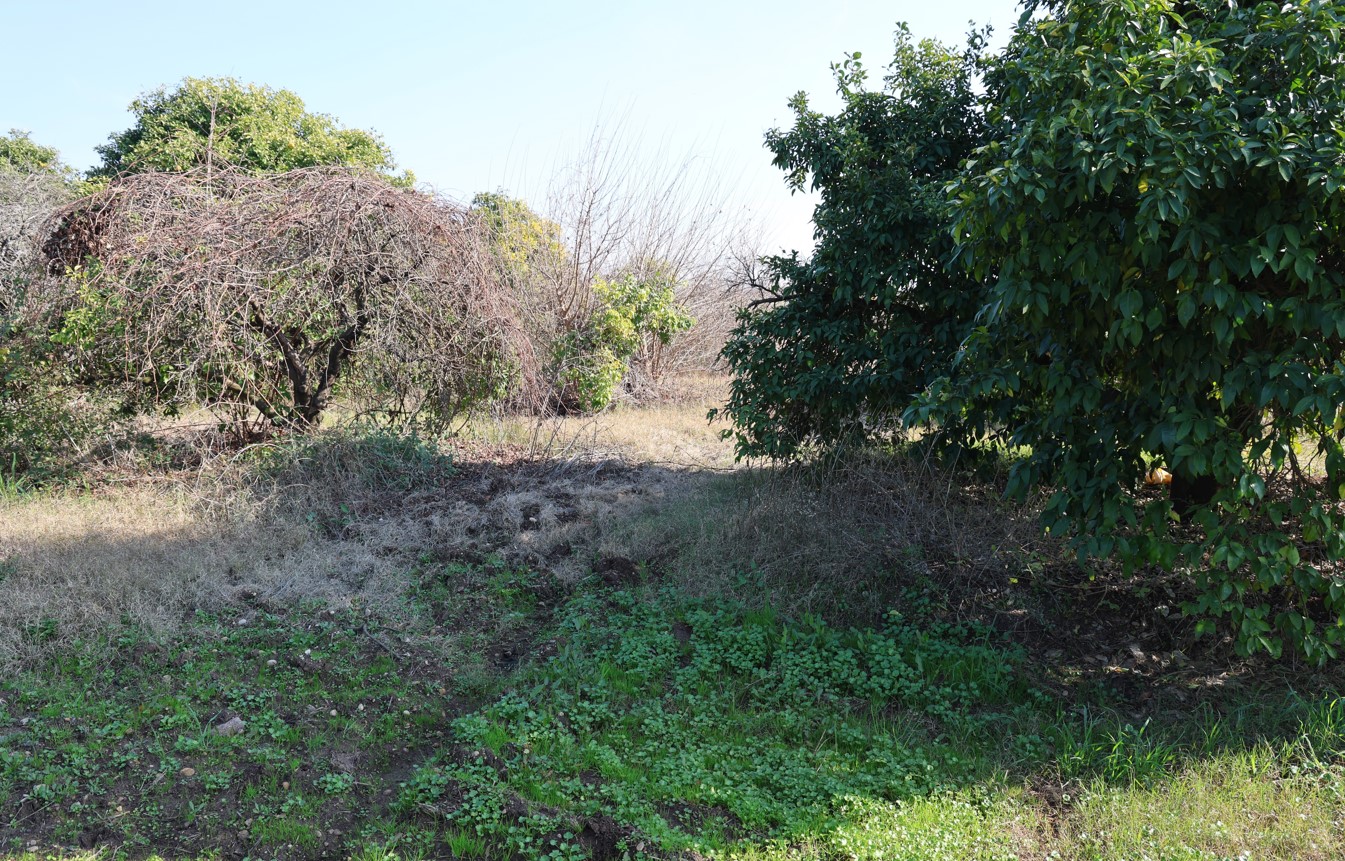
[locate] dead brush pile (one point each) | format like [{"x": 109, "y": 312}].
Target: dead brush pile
[{"x": 268, "y": 295}]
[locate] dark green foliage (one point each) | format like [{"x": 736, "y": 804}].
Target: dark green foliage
[
  {"x": 41, "y": 422},
  {"x": 1164, "y": 231},
  {"x": 226, "y": 122},
  {"x": 655, "y": 704},
  {"x": 1151, "y": 247},
  {"x": 850, "y": 335}
]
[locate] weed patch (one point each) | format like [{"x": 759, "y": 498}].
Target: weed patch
[{"x": 704, "y": 728}]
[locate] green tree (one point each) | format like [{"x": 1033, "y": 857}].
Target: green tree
[
  {"x": 20, "y": 154},
  {"x": 1163, "y": 226},
  {"x": 583, "y": 333},
  {"x": 634, "y": 313},
  {"x": 526, "y": 245},
  {"x": 843, "y": 340},
  {"x": 221, "y": 121}
]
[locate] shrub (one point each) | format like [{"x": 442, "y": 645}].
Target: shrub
[
  {"x": 634, "y": 316},
  {"x": 1163, "y": 230},
  {"x": 40, "y": 424},
  {"x": 843, "y": 341},
  {"x": 272, "y": 293}
]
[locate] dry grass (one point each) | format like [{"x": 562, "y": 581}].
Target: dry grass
[
  {"x": 339, "y": 521},
  {"x": 1231, "y": 806},
  {"x": 844, "y": 541},
  {"x": 79, "y": 568},
  {"x": 673, "y": 432},
  {"x": 344, "y": 517}
]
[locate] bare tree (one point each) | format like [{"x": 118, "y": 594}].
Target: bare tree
[
  {"x": 611, "y": 213},
  {"x": 270, "y": 292},
  {"x": 623, "y": 215}
]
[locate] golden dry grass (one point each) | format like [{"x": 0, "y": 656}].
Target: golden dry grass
[
  {"x": 337, "y": 522},
  {"x": 674, "y": 432},
  {"x": 1242, "y": 805},
  {"x": 844, "y": 541},
  {"x": 80, "y": 567}
]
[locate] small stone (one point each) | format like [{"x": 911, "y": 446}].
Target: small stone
[
  {"x": 188, "y": 772},
  {"x": 333, "y": 712},
  {"x": 232, "y": 726},
  {"x": 271, "y": 663}
]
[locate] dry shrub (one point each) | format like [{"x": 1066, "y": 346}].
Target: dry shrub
[
  {"x": 610, "y": 214},
  {"x": 27, "y": 201},
  {"x": 267, "y": 292},
  {"x": 624, "y": 216}
]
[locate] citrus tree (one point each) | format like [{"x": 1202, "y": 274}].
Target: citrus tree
[
  {"x": 843, "y": 340},
  {"x": 1162, "y": 228}
]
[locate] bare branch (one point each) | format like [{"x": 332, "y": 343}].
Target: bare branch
[{"x": 219, "y": 285}]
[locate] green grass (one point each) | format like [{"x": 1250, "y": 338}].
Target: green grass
[{"x": 645, "y": 724}]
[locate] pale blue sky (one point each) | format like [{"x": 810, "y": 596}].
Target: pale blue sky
[{"x": 478, "y": 96}]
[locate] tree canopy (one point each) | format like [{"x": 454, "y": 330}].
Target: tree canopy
[
  {"x": 19, "y": 153},
  {"x": 1165, "y": 231},
  {"x": 1137, "y": 258},
  {"x": 228, "y": 123},
  {"x": 851, "y": 334}
]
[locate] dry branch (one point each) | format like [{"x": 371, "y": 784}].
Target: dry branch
[{"x": 271, "y": 291}]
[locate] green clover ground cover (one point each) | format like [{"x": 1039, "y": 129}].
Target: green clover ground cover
[
  {"x": 711, "y": 729},
  {"x": 640, "y": 723}
]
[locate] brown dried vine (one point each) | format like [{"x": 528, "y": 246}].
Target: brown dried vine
[{"x": 270, "y": 293}]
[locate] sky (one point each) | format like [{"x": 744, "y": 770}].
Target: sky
[{"x": 483, "y": 96}]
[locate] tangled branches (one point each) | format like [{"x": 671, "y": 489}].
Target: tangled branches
[{"x": 271, "y": 292}]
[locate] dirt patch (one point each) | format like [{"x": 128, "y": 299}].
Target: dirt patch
[
  {"x": 605, "y": 839},
  {"x": 617, "y": 571}
]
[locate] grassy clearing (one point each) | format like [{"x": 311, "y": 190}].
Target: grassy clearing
[{"x": 486, "y": 654}]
